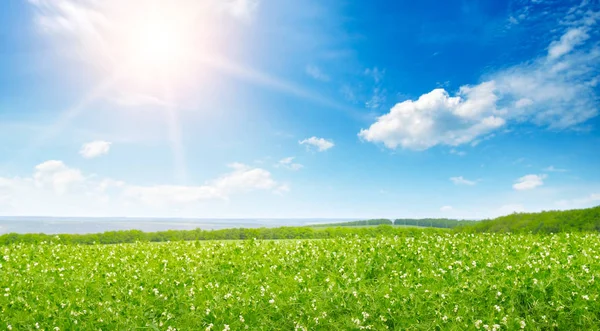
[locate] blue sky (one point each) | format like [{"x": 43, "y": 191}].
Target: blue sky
[{"x": 259, "y": 108}]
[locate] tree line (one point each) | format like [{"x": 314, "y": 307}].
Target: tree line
[{"x": 130, "y": 236}]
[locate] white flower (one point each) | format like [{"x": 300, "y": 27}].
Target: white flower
[
  {"x": 523, "y": 324},
  {"x": 585, "y": 297},
  {"x": 242, "y": 319},
  {"x": 272, "y": 301},
  {"x": 226, "y": 327},
  {"x": 478, "y": 323}
]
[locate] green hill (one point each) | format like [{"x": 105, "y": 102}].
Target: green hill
[{"x": 544, "y": 222}]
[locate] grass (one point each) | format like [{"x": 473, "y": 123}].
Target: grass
[{"x": 426, "y": 282}]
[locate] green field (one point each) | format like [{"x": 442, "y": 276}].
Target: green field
[{"x": 414, "y": 281}]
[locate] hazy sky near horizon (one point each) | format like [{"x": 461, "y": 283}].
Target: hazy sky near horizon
[{"x": 263, "y": 108}]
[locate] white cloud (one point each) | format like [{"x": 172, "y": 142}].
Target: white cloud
[
  {"x": 529, "y": 182},
  {"x": 94, "y": 149},
  {"x": 436, "y": 118},
  {"x": 316, "y": 73},
  {"x": 56, "y": 176},
  {"x": 554, "y": 91},
  {"x": 460, "y": 180},
  {"x": 289, "y": 164},
  {"x": 553, "y": 169},
  {"x": 54, "y": 187},
  {"x": 521, "y": 103},
  {"x": 457, "y": 152},
  {"x": 446, "y": 208},
  {"x": 320, "y": 143},
  {"x": 375, "y": 73},
  {"x": 573, "y": 37},
  {"x": 377, "y": 98}
]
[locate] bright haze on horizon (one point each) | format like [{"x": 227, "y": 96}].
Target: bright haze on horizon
[{"x": 298, "y": 109}]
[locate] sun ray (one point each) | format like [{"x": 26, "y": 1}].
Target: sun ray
[
  {"x": 175, "y": 137},
  {"x": 68, "y": 115}
]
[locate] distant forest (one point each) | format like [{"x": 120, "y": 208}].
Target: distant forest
[
  {"x": 130, "y": 236},
  {"x": 422, "y": 222}
]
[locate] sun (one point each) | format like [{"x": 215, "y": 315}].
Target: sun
[{"x": 157, "y": 46}]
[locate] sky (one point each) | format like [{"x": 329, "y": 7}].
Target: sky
[{"x": 298, "y": 109}]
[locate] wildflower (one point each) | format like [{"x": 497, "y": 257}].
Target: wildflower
[
  {"x": 497, "y": 308},
  {"x": 242, "y": 319},
  {"x": 585, "y": 297},
  {"x": 478, "y": 323},
  {"x": 523, "y": 324},
  {"x": 226, "y": 327},
  {"x": 209, "y": 327},
  {"x": 272, "y": 301},
  {"x": 9, "y": 327}
]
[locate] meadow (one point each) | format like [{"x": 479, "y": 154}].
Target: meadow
[{"x": 415, "y": 281}]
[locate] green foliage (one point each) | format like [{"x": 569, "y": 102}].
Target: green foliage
[
  {"x": 430, "y": 222},
  {"x": 576, "y": 220},
  {"x": 357, "y": 223},
  {"x": 424, "y": 281},
  {"x": 422, "y": 222},
  {"x": 131, "y": 236}
]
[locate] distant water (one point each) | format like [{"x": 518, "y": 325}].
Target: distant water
[{"x": 77, "y": 225}]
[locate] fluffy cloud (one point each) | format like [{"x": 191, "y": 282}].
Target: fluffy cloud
[
  {"x": 316, "y": 73},
  {"x": 94, "y": 149},
  {"x": 460, "y": 180},
  {"x": 320, "y": 143},
  {"x": 529, "y": 182},
  {"x": 288, "y": 163},
  {"x": 436, "y": 118},
  {"x": 55, "y": 185},
  {"x": 56, "y": 176},
  {"x": 554, "y": 91}
]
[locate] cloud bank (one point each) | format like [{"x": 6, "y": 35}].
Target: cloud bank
[{"x": 556, "y": 91}]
